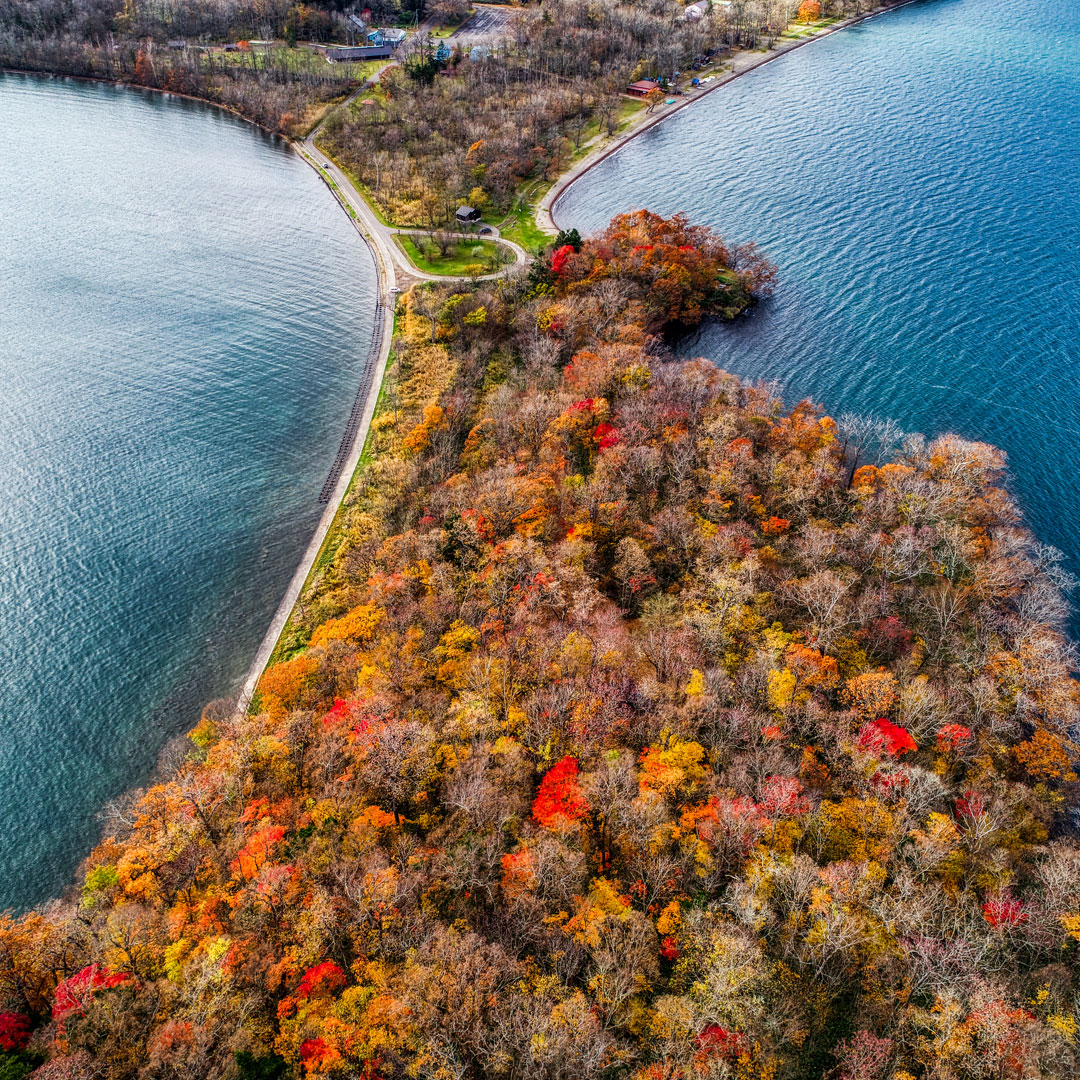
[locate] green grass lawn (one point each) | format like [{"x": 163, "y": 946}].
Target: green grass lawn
[
  {"x": 523, "y": 229},
  {"x": 798, "y": 30},
  {"x": 457, "y": 259},
  {"x": 366, "y": 70},
  {"x": 628, "y": 109}
]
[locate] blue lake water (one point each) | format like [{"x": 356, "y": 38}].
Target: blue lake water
[
  {"x": 184, "y": 313},
  {"x": 915, "y": 179}
]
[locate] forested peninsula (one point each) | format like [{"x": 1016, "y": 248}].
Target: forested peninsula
[{"x": 634, "y": 725}]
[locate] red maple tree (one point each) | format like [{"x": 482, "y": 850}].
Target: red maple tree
[
  {"x": 559, "y": 800},
  {"x": 883, "y": 735}
]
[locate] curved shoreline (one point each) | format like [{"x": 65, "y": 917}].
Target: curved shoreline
[
  {"x": 545, "y": 210},
  {"x": 385, "y": 256},
  {"x": 372, "y": 377},
  {"x": 374, "y": 368},
  {"x": 149, "y": 89}
]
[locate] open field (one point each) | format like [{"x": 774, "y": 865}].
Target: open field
[{"x": 458, "y": 259}]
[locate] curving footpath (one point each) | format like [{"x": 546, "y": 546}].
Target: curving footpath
[{"x": 399, "y": 266}]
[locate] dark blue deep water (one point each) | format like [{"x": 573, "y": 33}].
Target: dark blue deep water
[
  {"x": 915, "y": 178},
  {"x": 184, "y": 311}
]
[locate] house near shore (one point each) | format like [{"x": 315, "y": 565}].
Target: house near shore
[
  {"x": 467, "y": 215},
  {"x": 386, "y": 35},
  {"x": 642, "y": 88}
]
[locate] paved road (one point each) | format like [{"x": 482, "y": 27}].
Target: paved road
[
  {"x": 388, "y": 289},
  {"x": 400, "y": 271}
]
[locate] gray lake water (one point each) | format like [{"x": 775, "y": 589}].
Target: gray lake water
[
  {"x": 184, "y": 314},
  {"x": 915, "y": 179}
]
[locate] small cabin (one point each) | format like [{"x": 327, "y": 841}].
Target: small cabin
[
  {"x": 467, "y": 215},
  {"x": 642, "y": 88}
]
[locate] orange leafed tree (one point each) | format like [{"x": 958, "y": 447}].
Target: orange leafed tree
[
  {"x": 357, "y": 625},
  {"x": 284, "y": 681},
  {"x": 254, "y": 855}
]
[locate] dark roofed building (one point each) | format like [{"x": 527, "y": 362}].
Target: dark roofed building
[
  {"x": 336, "y": 54},
  {"x": 466, "y": 215}
]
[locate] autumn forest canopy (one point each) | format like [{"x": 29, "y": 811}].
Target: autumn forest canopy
[{"x": 635, "y": 725}]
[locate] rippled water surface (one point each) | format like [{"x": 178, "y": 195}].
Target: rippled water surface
[
  {"x": 183, "y": 315},
  {"x": 915, "y": 179}
]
